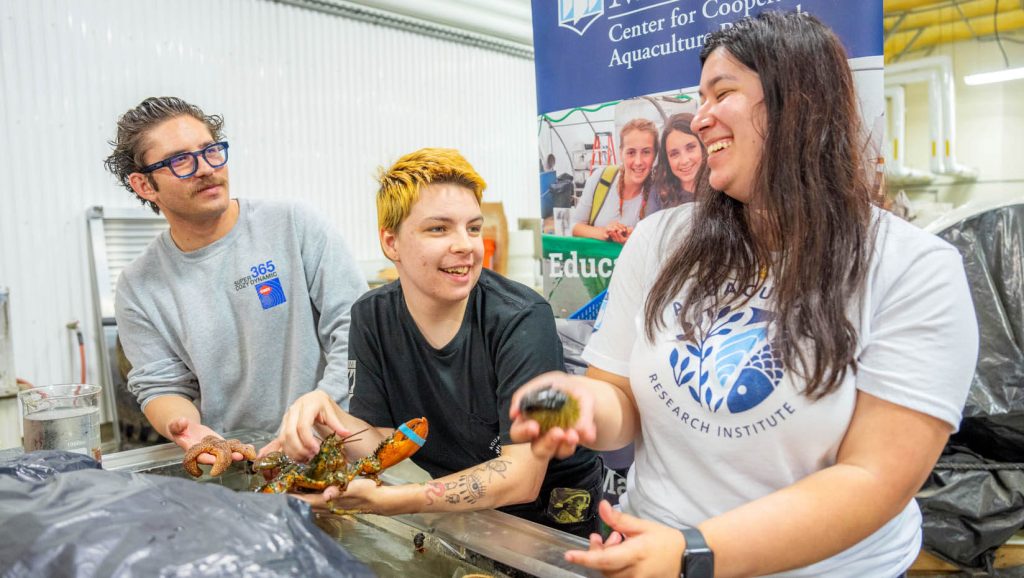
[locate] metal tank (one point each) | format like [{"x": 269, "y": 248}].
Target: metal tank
[{"x": 486, "y": 543}]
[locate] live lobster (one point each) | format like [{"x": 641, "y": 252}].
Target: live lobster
[{"x": 329, "y": 467}]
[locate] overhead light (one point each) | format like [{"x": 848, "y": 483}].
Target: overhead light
[{"x": 997, "y": 76}]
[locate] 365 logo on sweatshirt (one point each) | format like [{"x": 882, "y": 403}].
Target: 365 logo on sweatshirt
[{"x": 265, "y": 280}]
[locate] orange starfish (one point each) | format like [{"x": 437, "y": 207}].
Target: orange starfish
[{"x": 220, "y": 449}]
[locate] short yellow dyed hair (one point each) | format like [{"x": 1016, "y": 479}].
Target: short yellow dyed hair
[{"x": 400, "y": 185}]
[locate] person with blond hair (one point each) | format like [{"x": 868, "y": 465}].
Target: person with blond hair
[
  {"x": 614, "y": 197},
  {"x": 449, "y": 341}
]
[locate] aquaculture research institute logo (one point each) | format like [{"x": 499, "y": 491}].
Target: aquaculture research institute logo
[
  {"x": 578, "y": 15},
  {"x": 730, "y": 361}
]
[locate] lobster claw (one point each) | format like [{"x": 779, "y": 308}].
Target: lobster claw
[{"x": 406, "y": 441}]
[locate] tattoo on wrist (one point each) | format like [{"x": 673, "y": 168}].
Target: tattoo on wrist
[{"x": 434, "y": 489}]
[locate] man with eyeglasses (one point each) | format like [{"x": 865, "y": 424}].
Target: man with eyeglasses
[{"x": 242, "y": 305}]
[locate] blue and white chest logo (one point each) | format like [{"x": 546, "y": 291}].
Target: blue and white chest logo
[
  {"x": 271, "y": 293},
  {"x": 729, "y": 364},
  {"x": 578, "y": 15}
]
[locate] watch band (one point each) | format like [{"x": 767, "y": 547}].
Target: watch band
[{"x": 698, "y": 559}]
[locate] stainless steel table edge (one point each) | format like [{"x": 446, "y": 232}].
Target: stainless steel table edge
[{"x": 501, "y": 537}]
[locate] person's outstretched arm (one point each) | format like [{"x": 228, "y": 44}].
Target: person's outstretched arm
[{"x": 514, "y": 477}]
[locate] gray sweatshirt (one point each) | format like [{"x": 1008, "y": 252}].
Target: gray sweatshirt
[{"x": 245, "y": 325}]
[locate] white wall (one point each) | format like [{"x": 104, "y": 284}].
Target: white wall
[
  {"x": 313, "y": 104},
  {"x": 989, "y": 127}
]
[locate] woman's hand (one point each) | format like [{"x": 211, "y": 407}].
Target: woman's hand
[
  {"x": 297, "y": 438},
  {"x": 650, "y": 550},
  {"x": 618, "y": 232},
  {"x": 556, "y": 442}
]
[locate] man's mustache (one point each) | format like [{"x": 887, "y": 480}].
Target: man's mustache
[{"x": 207, "y": 182}]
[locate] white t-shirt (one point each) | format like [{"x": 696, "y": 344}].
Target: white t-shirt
[
  {"x": 723, "y": 422},
  {"x": 610, "y": 209}
]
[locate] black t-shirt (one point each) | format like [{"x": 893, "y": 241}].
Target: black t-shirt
[{"x": 465, "y": 388}]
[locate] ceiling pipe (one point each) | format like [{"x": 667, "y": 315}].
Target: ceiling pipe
[
  {"x": 900, "y": 5},
  {"x": 942, "y": 14},
  {"x": 938, "y": 72},
  {"x": 920, "y": 38},
  {"x": 934, "y": 110},
  {"x": 896, "y": 173}
]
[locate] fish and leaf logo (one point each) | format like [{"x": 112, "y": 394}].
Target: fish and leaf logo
[{"x": 727, "y": 362}]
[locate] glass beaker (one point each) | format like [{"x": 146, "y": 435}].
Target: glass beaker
[{"x": 62, "y": 417}]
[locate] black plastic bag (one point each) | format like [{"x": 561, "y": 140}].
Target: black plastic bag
[
  {"x": 973, "y": 502},
  {"x": 971, "y": 506},
  {"x": 991, "y": 244},
  {"x": 99, "y": 523},
  {"x": 41, "y": 465}
]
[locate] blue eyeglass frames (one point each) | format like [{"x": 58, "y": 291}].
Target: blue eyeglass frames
[{"x": 184, "y": 165}]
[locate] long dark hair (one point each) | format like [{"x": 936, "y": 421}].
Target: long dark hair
[
  {"x": 808, "y": 220},
  {"x": 668, "y": 185}
]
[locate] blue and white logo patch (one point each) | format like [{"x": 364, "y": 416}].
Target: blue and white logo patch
[
  {"x": 271, "y": 293},
  {"x": 578, "y": 15}
]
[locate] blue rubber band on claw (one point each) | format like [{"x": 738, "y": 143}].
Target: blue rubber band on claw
[{"x": 415, "y": 437}]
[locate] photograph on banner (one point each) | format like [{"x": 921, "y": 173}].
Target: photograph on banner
[
  {"x": 617, "y": 84},
  {"x": 604, "y": 168}
]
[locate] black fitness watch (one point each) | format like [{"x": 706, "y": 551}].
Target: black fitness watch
[{"x": 698, "y": 559}]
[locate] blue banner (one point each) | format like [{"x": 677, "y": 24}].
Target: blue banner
[
  {"x": 617, "y": 80},
  {"x": 594, "y": 51}
]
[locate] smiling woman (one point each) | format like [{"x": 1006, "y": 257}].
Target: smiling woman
[
  {"x": 681, "y": 159},
  {"x": 763, "y": 346},
  {"x": 615, "y": 198}
]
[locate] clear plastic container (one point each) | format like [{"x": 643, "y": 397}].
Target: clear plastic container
[{"x": 62, "y": 417}]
